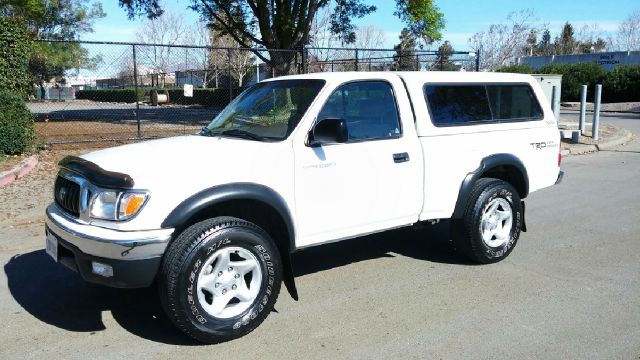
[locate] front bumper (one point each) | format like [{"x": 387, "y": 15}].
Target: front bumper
[{"x": 134, "y": 256}]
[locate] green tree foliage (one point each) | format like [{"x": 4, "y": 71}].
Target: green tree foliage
[
  {"x": 516, "y": 69},
  {"x": 405, "y": 56},
  {"x": 16, "y": 124},
  {"x": 443, "y": 61},
  {"x": 622, "y": 84},
  {"x": 545, "y": 46},
  {"x": 574, "y": 76},
  {"x": 566, "y": 43},
  {"x": 55, "y": 20},
  {"x": 423, "y": 18},
  {"x": 15, "y": 49},
  {"x": 285, "y": 24}
]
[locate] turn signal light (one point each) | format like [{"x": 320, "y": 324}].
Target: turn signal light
[{"x": 131, "y": 204}]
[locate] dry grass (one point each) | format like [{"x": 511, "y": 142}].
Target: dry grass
[{"x": 67, "y": 132}]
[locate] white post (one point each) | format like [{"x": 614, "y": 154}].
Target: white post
[
  {"x": 583, "y": 108},
  {"x": 596, "y": 113}
]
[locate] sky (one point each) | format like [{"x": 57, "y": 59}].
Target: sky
[{"x": 463, "y": 17}]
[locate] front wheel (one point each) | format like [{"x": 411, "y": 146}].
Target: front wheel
[
  {"x": 220, "y": 279},
  {"x": 491, "y": 224}
]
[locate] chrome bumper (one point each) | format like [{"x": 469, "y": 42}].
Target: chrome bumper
[{"x": 108, "y": 243}]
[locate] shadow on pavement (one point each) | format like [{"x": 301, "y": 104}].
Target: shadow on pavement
[
  {"x": 430, "y": 243},
  {"x": 59, "y": 297}
]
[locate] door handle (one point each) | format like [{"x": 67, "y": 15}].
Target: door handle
[{"x": 400, "y": 157}]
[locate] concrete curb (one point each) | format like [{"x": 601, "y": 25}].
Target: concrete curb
[
  {"x": 20, "y": 170},
  {"x": 580, "y": 149}
]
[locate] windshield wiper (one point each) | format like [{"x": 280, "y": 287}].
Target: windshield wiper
[{"x": 235, "y": 133}]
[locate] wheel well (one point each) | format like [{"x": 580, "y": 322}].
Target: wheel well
[
  {"x": 257, "y": 212},
  {"x": 510, "y": 174}
]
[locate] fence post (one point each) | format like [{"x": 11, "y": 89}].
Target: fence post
[
  {"x": 356, "y": 59},
  {"x": 304, "y": 55},
  {"x": 441, "y": 60},
  {"x": 229, "y": 74},
  {"x": 135, "y": 84},
  {"x": 478, "y": 60}
]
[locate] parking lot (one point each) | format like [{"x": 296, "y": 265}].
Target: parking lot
[
  {"x": 570, "y": 289},
  {"x": 83, "y": 120}
]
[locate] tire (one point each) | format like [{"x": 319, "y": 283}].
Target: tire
[
  {"x": 491, "y": 224},
  {"x": 220, "y": 279}
]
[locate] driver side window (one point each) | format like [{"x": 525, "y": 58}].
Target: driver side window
[{"x": 369, "y": 109}]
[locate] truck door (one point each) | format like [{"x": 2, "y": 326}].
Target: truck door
[{"x": 371, "y": 182}]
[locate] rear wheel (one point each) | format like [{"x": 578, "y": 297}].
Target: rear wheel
[
  {"x": 491, "y": 224},
  {"x": 220, "y": 279}
]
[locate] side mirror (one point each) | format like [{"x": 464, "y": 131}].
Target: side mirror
[{"x": 329, "y": 131}]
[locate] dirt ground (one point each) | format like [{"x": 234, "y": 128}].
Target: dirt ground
[
  {"x": 59, "y": 132},
  {"x": 26, "y": 197}
]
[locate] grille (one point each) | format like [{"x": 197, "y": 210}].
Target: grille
[{"x": 67, "y": 195}]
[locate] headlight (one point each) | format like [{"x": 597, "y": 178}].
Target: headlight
[{"x": 115, "y": 205}]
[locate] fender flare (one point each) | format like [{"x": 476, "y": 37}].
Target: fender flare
[
  {"x": 486, "y": 164},
  {"x": 207, "y": 198}
]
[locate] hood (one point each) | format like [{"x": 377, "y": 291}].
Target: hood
[{"x": 198, "y": 159}]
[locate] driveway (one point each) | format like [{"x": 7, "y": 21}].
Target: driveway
[{"x": 570, "y": 290}]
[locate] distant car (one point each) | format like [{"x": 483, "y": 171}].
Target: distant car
[{"x": 299, "y": 161}]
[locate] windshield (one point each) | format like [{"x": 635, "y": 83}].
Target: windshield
[{"x": 266, "y": 111}]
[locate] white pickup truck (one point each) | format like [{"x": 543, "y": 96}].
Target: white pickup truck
[{"x": 299, "y": 161}]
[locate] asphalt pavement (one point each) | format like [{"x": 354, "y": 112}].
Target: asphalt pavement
[{"x": 570, "y": 289}]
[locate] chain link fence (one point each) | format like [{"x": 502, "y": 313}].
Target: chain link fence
[{"x": 130, "y": 91}]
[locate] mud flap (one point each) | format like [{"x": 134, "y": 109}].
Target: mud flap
[{"x": 524, "y": 223}]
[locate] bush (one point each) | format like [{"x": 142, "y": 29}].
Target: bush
[
  {"x": 15, "y": 50},
  {"x": 517, "y": 69},
  {"x": 111, "y": 95},
  {"x": 622, "y": 84},
  {"x": 208, "y": 97},
  {"x": 16, "y": 124},
  {"x": 574, "y": 76}
]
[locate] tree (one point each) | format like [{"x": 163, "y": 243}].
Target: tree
[
  {"x": 15, "y": 50},
  {"x": 566, "y": 43},
  {"x": 55, "y": 21},
  {"x": 628, "y": 35},
  {"x": 443, "y": 62},
  {"x": 227, "y": 54},
  {"x": 544, "y": 46},
  {"x": 589, "y": 39},
  {"x": 405, "y": 57},
  {"x": 167, "y": 29},
  {"x": 323, "y": 53},
  {"x": 286, "y": 24},
  {"x": 200, "y": 35},
  {"x": 423, "y": 18},
  {"x": 503, "y": 43}
]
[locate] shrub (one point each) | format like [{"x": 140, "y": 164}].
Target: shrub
[
  {"x": 15, "y": 49},
  {"x": 517, "y": 69},
  {"x": 622, "y": 84},
  {"x": 574, "y": 76},
  {"x": 16, "y": 124},
  {"x": 111, "y": 95},
  {"x": 208, "y": 97}
]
